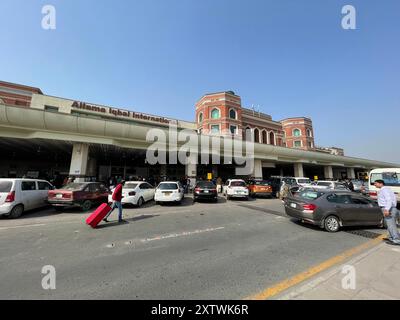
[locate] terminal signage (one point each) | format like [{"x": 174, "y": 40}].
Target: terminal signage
[{"x": 118, "y": 112}]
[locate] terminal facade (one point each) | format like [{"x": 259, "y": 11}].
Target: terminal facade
[{"x": 52, "y": 138}]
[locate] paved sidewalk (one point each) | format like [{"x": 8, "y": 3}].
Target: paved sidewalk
[{"x": 377, "y": 276}]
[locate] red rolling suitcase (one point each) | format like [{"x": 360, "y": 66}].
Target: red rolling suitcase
[{"x": 95, "y": 218}]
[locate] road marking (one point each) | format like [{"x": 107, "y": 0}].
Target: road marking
[
  {"x": 295, "y": 280},
  {"x": 182, "y": 234},
  {"x": 23, "y": 226}
]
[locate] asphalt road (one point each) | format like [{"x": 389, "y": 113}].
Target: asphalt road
[{"x": 227, "y": 250}]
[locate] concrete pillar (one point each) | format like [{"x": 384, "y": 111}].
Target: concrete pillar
[
  {"x": 79, "y": 161},
  {"x": 351, "y": 173},
  {"x": 191, "y": 172},
  {"x": 298, "y": 170},
  {"x": 257, "y": 172},
  {"x": 328, "y": 172}
]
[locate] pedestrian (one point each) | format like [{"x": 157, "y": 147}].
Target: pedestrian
[
  {"x": 350, "y": 185},
  {"x": 117, "y": 198},
  {"x": 388, "y": 203},
  {"x": 219, "y": 185}
]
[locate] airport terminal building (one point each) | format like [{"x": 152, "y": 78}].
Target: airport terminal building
[{"x": 51, "y": 137}]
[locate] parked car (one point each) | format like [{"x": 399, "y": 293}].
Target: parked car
[
  {"x": 20, "y": 195},
  {"x": 79, "y": 194},
  {"x": 205, "y": 190},
  {"x": 332, "y": 210},
  {"x": 235, "y": 188},
  {"x": 333, "y": 185},
  {"x": 277, "y": 182},
  {"x": 259, "y": 187},
  {"x": 169, "y": 191},
  {"x": 302, "y": 181},
  {"x": 136, "y": 193}
]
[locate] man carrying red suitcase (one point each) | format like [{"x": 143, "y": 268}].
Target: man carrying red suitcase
[{"x": 117, "y": 197}]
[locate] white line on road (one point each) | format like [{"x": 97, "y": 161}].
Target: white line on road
[
  {"x": 23, "y": 226},
  {"x": 182, "y": 234}
]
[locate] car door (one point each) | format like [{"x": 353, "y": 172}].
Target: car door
[
  {"x": 28, "y": 194},
  {"x": 43, "y": 190},
  {"x": 142, "y": 191},
  {"x": 343, "y": 206},
  {"x": 149, "y": 192},
  {"x": 365, "y": 212}
]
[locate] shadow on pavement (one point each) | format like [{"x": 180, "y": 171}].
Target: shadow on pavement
[{"x": 126, "y": 221}]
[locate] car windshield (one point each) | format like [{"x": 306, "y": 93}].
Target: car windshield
[
  {"x": 5, "y": 186},
  {"x": 238, "y": 184},
  {"x": 392, "y": 179},
  {"x": 205, "y": 184},
  {"x": 168, "y": 186},
  {"x": 303, "y": 181},
  {"x": 130, "y": 186},
  {"x": 74, "y": 186},
  {"x": 310, "y": 194}
]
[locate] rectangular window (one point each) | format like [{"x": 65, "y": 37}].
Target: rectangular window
[
  {"x": 233, "y": 129},
  {"x": 297, "y": 144},
  {"x": 50, "y": 109},
  {"x": 28, "y": 185},
  {"x": 215, "y": 128}
]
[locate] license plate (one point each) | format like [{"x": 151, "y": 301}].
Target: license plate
[
  {"x": 167, "y": 193},
  {"x": 293, "y": 205},
  {"x": 206, "y": 191},
  {"x": 59, "y": 195}
]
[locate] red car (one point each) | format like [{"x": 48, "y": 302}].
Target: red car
[{"x": 77, "y": 194}]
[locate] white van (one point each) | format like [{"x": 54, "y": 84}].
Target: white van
[
  {"x": 302, "y": 181},
  {"x": 19, "y": 195},
  {"x": 391, "y": 176}
]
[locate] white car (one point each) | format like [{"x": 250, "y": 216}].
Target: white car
[
  {"x": 169, "y": 191},
  {"x": 235, "y": 188},
  {"x": 135, "y": 193},
  {"x": 304, "y": 182},
  {"x": 333, "y": 185},
  {"x": 19, "y": 195}
]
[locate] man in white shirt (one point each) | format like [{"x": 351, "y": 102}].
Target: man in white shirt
[{"x": 387, "y": 202}]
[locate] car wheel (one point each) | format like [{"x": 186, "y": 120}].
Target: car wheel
[
  {"x": 331, "y": 224},
  {"x": 86, "y": 205},
  {"x": 17, "y": 211},
  {"x": 140, "y": 202}
]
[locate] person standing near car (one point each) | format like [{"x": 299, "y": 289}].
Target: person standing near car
[
  {"x": 388, "y": 203},
  {"x": 117, "y": 198}
]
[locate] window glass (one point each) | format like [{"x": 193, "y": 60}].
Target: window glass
[
  {"x": 238, "y": 184},
  {"x": 310, "y": 194},
  {"x": 215, "y": 128},
  {"x": 232, "y": 114},
  {"x": 233, "y": 129},
  {"x": 343, "y": 199},
  {"x": 130, "y": 185},
  {"x": 215, "y": 114},
  {"x": 362, "y": 201},
  {"x": 201, "y": 117},
  {"x": 28, "y": 185},
  {"x": 296, "y": 132},
  {"x": 168, "y": 186},
  {"x": 297, "y": 144},
  {"x": 143, "y": 186},
  {"x": 44, "y": 185},
  {"x": 5, "y": 186},
  {"x": 392, "y": 179}
]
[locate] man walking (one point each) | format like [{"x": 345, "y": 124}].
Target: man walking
[
  {"x": 387, "y": 202},
  {"x": 117, "y": 198}
]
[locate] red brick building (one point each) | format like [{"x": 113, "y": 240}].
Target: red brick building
[
  {"x": 17, "y": 94},
  {"x": 222, "y": 113}
]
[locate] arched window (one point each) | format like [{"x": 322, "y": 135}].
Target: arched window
[
  {"x": 232, "y": 114},
  {"x": 256, "y": 135},
  {"x": 264, "y": 137},
  {"x": 272, "y": 138},
  {"x": 296, "y": 133},
  {"x": 200, "y": 117},
  {"x": 309, "y": 133},
  {"x": 215, "y": 114}
]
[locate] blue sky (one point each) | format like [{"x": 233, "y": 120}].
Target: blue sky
[{"x": 291, "y": 57}]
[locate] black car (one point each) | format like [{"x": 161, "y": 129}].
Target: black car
[
  {"x": 205, "y": 190},
  {"x": 332, "y": 209}
]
